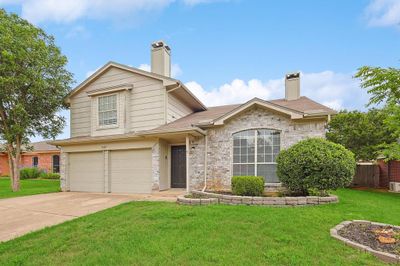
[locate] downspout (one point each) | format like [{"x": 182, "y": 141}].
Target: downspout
[
  {"x": 205, "y": 163},
  {"x": 187, "y": 163}
]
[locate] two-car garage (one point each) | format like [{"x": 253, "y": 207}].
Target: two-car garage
[{"x": 116, "y": 171}]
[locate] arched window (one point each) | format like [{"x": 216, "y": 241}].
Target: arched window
[
  {"x": 255, "y": 152},
  {"x": 56, "y": 163}
]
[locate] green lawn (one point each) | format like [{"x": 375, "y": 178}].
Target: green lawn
[
  {"x": 28, "y": 187},
  {"x": 159, "y": 233}
]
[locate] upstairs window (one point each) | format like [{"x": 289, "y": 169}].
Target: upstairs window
[
  {"x": 107, "y": 110},
  {"x": 255, "y": 152}
]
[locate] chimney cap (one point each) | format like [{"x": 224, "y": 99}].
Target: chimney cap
[
  {"x": 293, "y": 75},
  {"x": 159, "y": 44}
]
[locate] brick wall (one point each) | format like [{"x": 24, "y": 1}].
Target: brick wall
[
  {"x": 389, "y": 172},
  {"x": 394, "y": 171},
  {"x": 45, "y": 161}
]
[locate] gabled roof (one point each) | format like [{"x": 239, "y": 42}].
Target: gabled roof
[
  {"x": 293, "y": 114},
  {"x": 296, "y": 109},
  {"x": 40, "y": 146},
  {"x": 167, "y": 82}
]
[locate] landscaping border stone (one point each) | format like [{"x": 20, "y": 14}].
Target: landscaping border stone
[
  {"x": 386, "y": 257},
  {"x": 196, "y": 201},
  {"x": 245, "y": 200}
]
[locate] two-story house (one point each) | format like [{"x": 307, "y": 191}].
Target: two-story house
[{"x": 134, "y": 131}]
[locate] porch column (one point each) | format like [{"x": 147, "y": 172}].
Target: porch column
[{"x": 187, "y": 162}]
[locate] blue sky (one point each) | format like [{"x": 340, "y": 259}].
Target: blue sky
[{"x": 230, "y": 51}]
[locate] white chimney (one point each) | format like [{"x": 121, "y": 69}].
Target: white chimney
[
  {"x": 292, "y": 86},
  {"x": 161, "y": 58}
]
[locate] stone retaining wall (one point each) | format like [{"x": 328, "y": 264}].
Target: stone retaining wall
[
  {"x": 195, "y": 201},
  {"x": 243, "y": 200},
  {"x": 387, "y": 257}
]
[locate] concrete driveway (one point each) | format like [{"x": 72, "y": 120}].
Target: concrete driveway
[{"x": 22, "y": 215}]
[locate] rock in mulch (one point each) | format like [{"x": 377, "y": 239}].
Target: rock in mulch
[{"x": 381, "y": 238}]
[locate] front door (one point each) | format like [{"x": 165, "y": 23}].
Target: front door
[{"x": 178, "y": 166}]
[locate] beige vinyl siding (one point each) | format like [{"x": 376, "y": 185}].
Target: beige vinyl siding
[
  {"x": 176, "y": 109},
  {"x": 145, "y": 103}
]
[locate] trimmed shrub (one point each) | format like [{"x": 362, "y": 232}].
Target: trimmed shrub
[
  {"x": 45, "y": 175},
  {"x": 247, "y": 185},
  {"x": 30, "y": 173},
  {"x": 314, "y": 166}
]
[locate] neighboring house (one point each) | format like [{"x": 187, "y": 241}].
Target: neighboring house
[
  {"x": 42, "y": 155},
  {"x": 134, "y": 131}
]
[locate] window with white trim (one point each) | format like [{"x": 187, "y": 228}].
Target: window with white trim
[
  {"x": 255, "y": 152},
  {"x": 107, "y": 110}
]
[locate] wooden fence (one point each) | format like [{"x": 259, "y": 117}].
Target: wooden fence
[{"x": 367, "y": 175}]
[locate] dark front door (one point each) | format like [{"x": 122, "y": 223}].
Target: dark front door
[{"x": 178, "y": 166}]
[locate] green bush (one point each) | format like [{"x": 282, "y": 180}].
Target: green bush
[
  {"x": 30, "y": 173},
  {"x": 247, "y": 185},
  {"x": 314, "y": 166},
  {"x": 45, "y": 175}
]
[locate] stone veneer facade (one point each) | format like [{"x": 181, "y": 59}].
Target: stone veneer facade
[{"x": 220, "y": 144}]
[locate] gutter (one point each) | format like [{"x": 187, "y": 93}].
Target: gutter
[{"x": 169, "y": 131}]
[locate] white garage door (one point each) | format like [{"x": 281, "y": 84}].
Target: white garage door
[
  {"x": 130, "y": 171},
  {"x": 86, "y": 171}
]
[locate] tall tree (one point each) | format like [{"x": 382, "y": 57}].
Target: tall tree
[
  {"x": 362, "y": 133},
  {"x": 383, "y": 84},
  {"x": 33, "y": 85}
]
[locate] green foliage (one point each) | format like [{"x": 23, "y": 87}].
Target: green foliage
[
  {"x": 45, "y": 175},
  {"x": 247, "y": 185},
  {"x": 384, "y": 86},
  {"x": 361, "y": 133},
  {"x": 382, "y": 83},
  {"x": 30, "y": 173},
  {"x": 315, "y": 165},
  {"x": 391, "y": 151},
  {"x": 34, "y": 82}
]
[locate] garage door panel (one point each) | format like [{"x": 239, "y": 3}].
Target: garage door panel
[
  {"x": 130, "y": 171},
  {"x": 86, "y": 171}
]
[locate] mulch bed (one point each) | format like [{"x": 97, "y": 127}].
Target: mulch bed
[{"x": 381, "y": 238}]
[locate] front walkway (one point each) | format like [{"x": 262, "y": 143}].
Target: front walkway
[{"x": 22, "y": 215}]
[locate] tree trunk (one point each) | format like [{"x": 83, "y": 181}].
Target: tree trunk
[
  {"x": 14, "y": 158},
  {"x": 15, "y": 184}
]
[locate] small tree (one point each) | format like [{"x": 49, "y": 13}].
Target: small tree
[
  {"x": 33, "y": 85},
  {"x": 362, "y": 133}
]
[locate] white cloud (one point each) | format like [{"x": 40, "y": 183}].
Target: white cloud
[
  {"x": 383, "y": 13},
  {"x": 145, "y": 67},
  {"x": 37, "y": 11},
  {"x": 175, "y": 69},
  {"x": 335, "y": 90}
]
